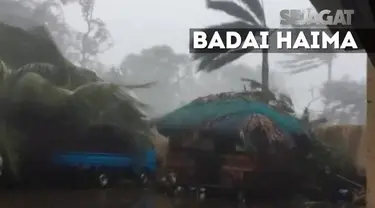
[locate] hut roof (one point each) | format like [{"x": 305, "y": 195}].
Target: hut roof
[{"x": 225, "y": 113}]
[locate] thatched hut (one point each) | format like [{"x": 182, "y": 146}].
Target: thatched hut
[{"x": 229, "y": 123}]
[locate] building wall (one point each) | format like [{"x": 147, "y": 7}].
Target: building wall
[{"x": 369, "y": 141}]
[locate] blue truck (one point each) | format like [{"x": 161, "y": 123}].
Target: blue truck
[
  {"x": 100, "y": 156},
  {"x": 103, "y": 169}
]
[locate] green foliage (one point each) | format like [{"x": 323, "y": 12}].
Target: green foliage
[
  {"x": 18, "y": 47},
  {"x": 38, "y": 83},
  {"x": 9, "y": 146},
  {"x": 337, "y": 160},
  {"x": 106, "y": 103}
]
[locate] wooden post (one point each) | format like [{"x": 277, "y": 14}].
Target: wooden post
[{"x": 370, "y": 133}]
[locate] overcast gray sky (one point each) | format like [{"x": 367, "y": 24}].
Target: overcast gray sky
[{"x": 139, "y": 24}]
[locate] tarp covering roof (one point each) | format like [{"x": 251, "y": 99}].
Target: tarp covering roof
[
  {"x": 225, "y": 112},
  {"x": 234, "y": 122}
]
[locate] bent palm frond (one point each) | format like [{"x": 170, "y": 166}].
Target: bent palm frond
[
  {"x": 103, "y": 102},
  {"x": 38, "y": 83},
  {"x": 250, "y": 14},
  {"x": 20, "y": 47},
  {"x": 35, "y": 50},
  {"x": 233, "y": 9},
  {"x": 257, "y": 8},
  {"x": 32, "y": 87},
  {"x": 47, "y": 71}
]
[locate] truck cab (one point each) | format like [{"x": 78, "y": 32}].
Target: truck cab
[
  {"x": 106, "y": 156},
  {"x": 105, "y": 168}
]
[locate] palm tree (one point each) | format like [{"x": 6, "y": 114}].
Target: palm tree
[
  {"x": 250, "y": 14},
  {"x": 364, "y": 19},
  {"x": 36, "y": 79},
  {"x": 307, "y": 61}
]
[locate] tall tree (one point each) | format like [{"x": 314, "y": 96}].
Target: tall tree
[
  {"x": 96, "y": 39},
  {"x": 156, "y": 62},
  {"x": 345, "y": 101},
  {"x": 159, "y": 64},
  {"x": 250, "y": 14},
  {"x": 305, "y": 62},
  {"x": 80, "y": 47},
  {"x": 300, "y": 63},
  {"x": 176, "y": 79}
]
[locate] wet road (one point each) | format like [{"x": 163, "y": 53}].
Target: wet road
[
  {"x": 109, "y": 198},
  {"x": 66, "y": 198},
  {"x": 116, "y": 198}
]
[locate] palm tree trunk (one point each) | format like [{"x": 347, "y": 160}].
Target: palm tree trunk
[
  {"x": 329, "y": 65},
  {"x": 369, "y": 140},
  {"x": 329, "y": 79},
  {"x": 265, "y": 71}
]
